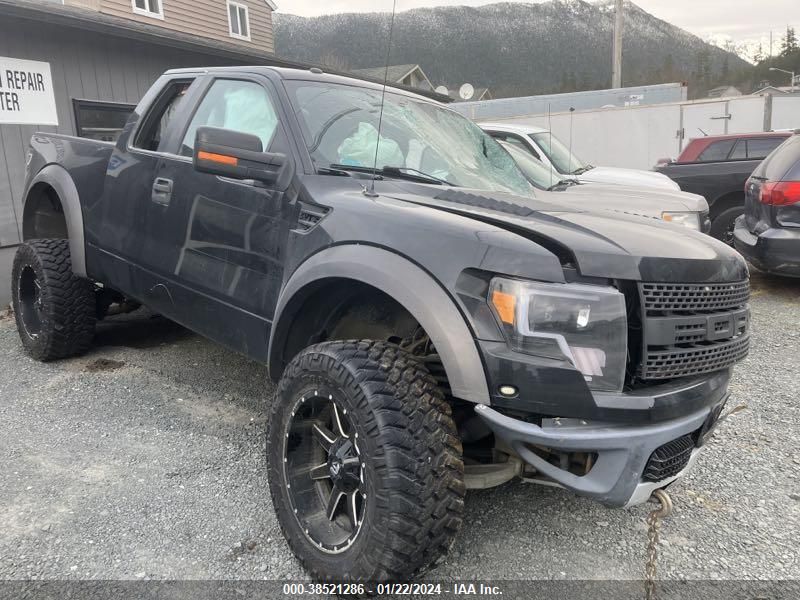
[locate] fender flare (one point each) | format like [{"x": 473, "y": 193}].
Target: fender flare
[
  {"x": 60, "y": 180},
  {"x": 410, "y": 286}
]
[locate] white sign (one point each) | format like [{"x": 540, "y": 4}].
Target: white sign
[{"x": 26, "y": 93}]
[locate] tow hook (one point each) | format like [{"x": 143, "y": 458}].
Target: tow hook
[{"x": 653, "y": 528}]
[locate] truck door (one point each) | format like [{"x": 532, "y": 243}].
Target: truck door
[
  {"x": 216, "y": 246},
  {"x": 116, "y": 223}
]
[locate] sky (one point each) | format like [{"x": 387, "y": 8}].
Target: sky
[{"x": 741, "y": 21}]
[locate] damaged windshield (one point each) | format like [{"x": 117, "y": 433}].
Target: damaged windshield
[{"x": 340, "y": 127}]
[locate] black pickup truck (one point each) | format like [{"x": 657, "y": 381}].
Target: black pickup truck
[
  {"x": 721, "y": 184},
  {"x": 431, "y": 325}
]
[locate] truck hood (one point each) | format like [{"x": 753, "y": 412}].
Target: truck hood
[
  {"x": 598, "y": 244},
  {"x": 648, "y": 202},
  {"x": 629, "y": 177}
]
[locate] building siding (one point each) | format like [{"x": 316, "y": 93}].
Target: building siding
[
  {"x": 86, "y": 66},
  {"x": 206, "y": 18}
]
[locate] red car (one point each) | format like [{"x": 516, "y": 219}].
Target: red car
[{"x": 734, "y": 146}]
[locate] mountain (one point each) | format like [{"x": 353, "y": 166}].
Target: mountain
[{"x": 514, "y": 48}]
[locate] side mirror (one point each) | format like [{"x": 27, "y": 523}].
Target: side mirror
[{"x": 236, "y": 155}]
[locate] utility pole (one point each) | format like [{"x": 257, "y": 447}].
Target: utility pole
[{"x": 616, "y": 76}]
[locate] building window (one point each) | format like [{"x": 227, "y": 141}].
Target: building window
[
  {"x": 101, "y": 120},
  {"x": 148, "y": 8},
  {"x": 238, "y": 21}
]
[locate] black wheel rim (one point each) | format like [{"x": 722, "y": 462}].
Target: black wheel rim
[
  {"x": 31, "y": 302},
  {"x": 324, "y": 471},
  {"x": 727, "y": 235}
]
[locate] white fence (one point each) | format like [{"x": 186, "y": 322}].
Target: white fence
[
  {"x": 642, "y": 95},
  {"x": 637, "y": 136}
]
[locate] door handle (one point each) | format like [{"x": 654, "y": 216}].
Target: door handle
[{"x": 162, "y": 191}]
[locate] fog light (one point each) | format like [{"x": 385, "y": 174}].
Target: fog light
[{"x": 508, "y": 390}]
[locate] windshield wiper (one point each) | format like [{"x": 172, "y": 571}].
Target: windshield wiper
[
  {"x": 564, "y": 183},
  {"x": 337, "y": 169},
  {"x": 333, "y": 171},
  {"x": 582, "y": 170},
  {"x": 414, "y": 173},
  {"x": 399, "y": 172}
]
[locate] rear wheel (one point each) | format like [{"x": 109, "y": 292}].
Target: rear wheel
[
  {"x": 365, "y": 466},
  {"x": 724, "y": 223},
  {"x": 54, "y": 308}
]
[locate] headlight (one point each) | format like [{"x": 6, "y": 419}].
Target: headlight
[
  {"x": 584, "y": 324},
  {"x": 687, "y": 219}
]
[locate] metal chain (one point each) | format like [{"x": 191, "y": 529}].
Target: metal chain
[{"x": 653, "y": 530}]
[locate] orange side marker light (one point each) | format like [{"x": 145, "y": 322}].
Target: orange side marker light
[{"x": 218, "y": 158}]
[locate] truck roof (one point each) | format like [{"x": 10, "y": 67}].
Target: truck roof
[{"x": 313, "y": 74}]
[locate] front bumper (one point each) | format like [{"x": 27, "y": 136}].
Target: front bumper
[
  {"x": 623, "y": 451},
  {"x": 551, "y": 388},
  {"x": 776, "y": 250}
]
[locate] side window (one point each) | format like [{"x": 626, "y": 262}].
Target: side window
[
  {"x": 762, "y": 148},
  {"x": 739, "y": 151},
  {"x": 242, "y": 106},
  {"x": 158, "y": 120},
  {"x": 716, "y": 151}
]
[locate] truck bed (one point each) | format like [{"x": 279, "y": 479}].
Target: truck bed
[
  {"x": 711, "y": 180},
  {"x": 85, "y": 160}
]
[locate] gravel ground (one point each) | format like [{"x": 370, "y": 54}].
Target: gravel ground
[{"x": 144, "y": 459}]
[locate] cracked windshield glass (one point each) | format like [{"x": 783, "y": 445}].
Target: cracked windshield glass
[{"x": 340, "y": 126}]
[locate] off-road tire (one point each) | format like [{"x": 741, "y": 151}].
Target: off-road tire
[
  {"x": 414, "y": 469},
  {"x": 67, "y": 308}
]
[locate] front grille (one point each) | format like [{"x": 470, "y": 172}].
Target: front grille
[
  {"x": 691, "y": 329},
  {"x": 695, "y": 360},
  {"x": 659, "y": 298},
  {"x": 688, "y": 334},
  {"x": 669, "y": 460}
]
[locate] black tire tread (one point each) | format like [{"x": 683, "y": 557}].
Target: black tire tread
[
  {"x": 69, "y": 301},
  {"x": 421, "y": 458}
]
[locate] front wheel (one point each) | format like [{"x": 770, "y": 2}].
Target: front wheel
[{"x": 365, "y": 465}]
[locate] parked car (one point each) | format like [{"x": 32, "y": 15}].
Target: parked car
[
  {"x": 721, "y": 148},
  {"x": 679, "y": 208},
  {"x": 431, "y": 325},
  {"x": 768, "y": 234},
  {"x": 721, "y": 184},
  {"x": 546, "y": 147}
]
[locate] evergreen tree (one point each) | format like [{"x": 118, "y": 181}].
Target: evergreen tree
[
  {"x": 667, "y": 72},
  {"x": 789, "y": 43},
  {"x": 702, "y": 69},
  {"x": 758, "y": 56}
]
